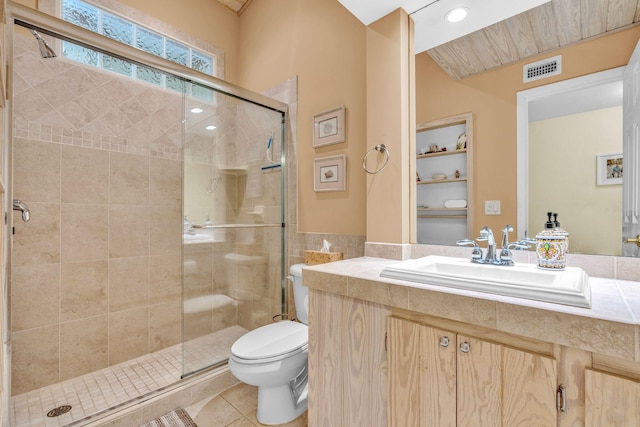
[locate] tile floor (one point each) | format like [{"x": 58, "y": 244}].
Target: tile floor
[
  {"x": 234, "y": 407},
  {"x": 107, "y": 388}
]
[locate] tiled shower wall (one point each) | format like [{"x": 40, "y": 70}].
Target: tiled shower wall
[{"x": 96, "y": 273}]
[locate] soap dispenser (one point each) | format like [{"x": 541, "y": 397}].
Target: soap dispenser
[
  {"x": 551, "y": 246},
  {"x": 562, "y": 232}
]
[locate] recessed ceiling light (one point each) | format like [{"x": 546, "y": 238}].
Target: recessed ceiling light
[
  {"x": 210, "y": 127},
  {"x": 457, "y": 14},
  {"x": 197, "y": 110}
]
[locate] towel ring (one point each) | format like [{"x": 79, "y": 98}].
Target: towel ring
[{"x": 381, "y": 148}]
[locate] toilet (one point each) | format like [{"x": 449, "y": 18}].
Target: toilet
[{"x": 274, "y": 358}]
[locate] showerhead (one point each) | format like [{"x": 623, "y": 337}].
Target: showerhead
[{"x": 45, "y": 49}]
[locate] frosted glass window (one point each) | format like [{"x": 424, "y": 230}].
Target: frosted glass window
[
  {"x": 202, "y": 62},
  {"x": 119, "y": 28},
  {"x": 177, "y": 52},
  {"x": 80, "y": 54},
  {"x": 81, "y": 14}
]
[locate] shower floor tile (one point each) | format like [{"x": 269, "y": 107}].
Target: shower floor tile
[{"x": 98, "y": 391}]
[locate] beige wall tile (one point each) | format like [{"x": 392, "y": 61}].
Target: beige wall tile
[
  {"x": 628, "y": 268},
  {"x": 83, "y": 346},
  {"x": 165, "y": 280},
  {"x": 165, "y": 325},
  {"x": 35, "y": 357},
  {"x": 165, "y": 229},
  {"x": 593, "y": 265},
  {"x": 36, "y": 166},
  {"x": 37, "y": 241},
  {"x": 128, "y": 283},
  {"x": 128, "y": 334},
  {"x": 129, "y": 179},
  {"x": 84, "y": 232},
  {"x": 83, "y": 290},
  {"x": 198, "y": 275},
  {"x": 197, "y": 324},
  {"x": 34, "y": 296},
  {"x": 85, "y": 175},
  {"x": 165, "y": 183},
  {"x": 128, "y": 231}
]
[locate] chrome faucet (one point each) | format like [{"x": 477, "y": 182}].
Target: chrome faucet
[
  {"x": 18, "y": 205},
  {"x": 486, "y": 235},
  {"x": 505, "y": 256}
]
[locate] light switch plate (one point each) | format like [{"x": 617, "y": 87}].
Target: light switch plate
[{"x": 492, "y": 207}]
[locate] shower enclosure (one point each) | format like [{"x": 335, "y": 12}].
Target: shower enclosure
[{"x": 156, "y": 233}]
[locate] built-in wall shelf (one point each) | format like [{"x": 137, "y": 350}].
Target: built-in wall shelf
[
  {"x": 439, "y": 140},
  {"x": 441, "y": 181},
  {"x": 441, "y": 153},
  {"x": 233, "y": 170}
]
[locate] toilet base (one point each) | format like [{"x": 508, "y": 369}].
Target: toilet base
[{"x": 276, "y": 405}]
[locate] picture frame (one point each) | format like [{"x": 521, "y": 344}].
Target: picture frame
[
  {"x": 328, "y": 127},
  {"x": 609, "y": 170},
  {"x": 329, "y": 173}
]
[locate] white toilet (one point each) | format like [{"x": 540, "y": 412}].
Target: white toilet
[{"x": 274, "y": 358}]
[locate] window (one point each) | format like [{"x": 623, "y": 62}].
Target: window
[{"x": 100, "y": 21}]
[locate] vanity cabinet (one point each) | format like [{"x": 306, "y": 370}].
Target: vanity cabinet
[
  {"x": 611, "y": 400},
  {"x": 444, "y": 379},
  {"x": 443, "y": 177}
]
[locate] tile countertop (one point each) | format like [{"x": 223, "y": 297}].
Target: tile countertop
[{"x": 611, "y": 327}]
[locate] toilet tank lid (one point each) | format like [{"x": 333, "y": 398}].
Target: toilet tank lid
[
  {"x": 271, "y": 340},
  {"x": 296, "y": 269}
]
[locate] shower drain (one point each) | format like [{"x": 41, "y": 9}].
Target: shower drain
[{"x": 56, "y": 412}]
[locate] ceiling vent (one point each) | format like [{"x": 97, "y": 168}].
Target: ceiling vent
[{"x": 542, "y": 69}]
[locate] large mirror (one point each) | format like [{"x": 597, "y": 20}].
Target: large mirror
[
  {"x": 491, "y": 95},
  {"x": 568, "y": 133}
]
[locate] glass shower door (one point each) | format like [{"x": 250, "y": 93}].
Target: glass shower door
[{"x": 233, "y": 234}]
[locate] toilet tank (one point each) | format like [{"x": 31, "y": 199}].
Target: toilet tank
[{"x": 300, "y": 293}]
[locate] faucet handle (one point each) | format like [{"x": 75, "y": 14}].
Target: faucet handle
[
  {"x": 476, "y": 254},
  {"x": 505, "y": 235}
]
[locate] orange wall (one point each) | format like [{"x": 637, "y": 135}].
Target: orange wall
[
  {"x": 491, "y": 97},
  {"x": 324, "y": 45}
]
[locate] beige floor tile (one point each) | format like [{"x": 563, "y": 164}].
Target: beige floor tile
[
  {"x": 217, "y": 413},
  {"x": 243, "y": 397}
]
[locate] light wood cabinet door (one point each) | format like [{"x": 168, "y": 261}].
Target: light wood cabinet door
[
  {"x": 422, "y": 375},
  {"x": 611, "y": 400},
  {"x": 479, "y": 383},
  {"x": 529, "y": 382},
  {"x": 440, "y": 379}
]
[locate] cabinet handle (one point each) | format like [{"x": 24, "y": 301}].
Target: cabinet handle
[
  {"x": 561, "y": 398},
  {"x": 465, "y": 347},
  {"x": 444, "y": 341}
]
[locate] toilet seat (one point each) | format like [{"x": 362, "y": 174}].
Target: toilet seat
[{"x": 270, "y": 343}]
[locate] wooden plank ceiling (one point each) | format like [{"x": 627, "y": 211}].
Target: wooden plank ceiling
[{"x": 547, "y": 27}]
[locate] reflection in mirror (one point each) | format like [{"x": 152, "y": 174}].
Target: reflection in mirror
[{"x": 563, "y": 129}]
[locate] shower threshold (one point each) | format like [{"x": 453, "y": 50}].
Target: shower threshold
[{"x": 117, "y": 385}]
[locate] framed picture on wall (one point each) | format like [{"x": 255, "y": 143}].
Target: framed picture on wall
[
  {"x": 328, "y": 127},
  {"x": 609, "y": 169},
  {"x": 329, "y": 173}
]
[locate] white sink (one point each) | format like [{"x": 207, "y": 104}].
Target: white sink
[{"x": 569, "y": 286}]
